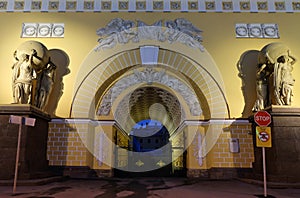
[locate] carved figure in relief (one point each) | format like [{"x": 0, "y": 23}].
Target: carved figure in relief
[
  {"x": 23, "y": 75},
  {"x": 117, "y": 30},
  {"x": 185, "y": 32},
  {"x": 122, "y": 31},
  {"x": 188, "y": 28},
  {"x": 171, "y": 33}
]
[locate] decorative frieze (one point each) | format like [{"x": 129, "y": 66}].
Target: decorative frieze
[
  {"x": 120, "y": 31},
  {"x": 151, "y": 5}
]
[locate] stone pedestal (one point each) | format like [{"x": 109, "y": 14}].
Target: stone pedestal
[
  {"x": 33, "y": 153},
  {"x": 283, "y": 158}
]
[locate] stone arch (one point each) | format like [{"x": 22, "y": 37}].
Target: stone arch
[
  {"x": 102, "y": 69},
  {"x": 149, "y": 103},
  {"x": 90, "y": 88},
  {"x": 149, "y": 75}
]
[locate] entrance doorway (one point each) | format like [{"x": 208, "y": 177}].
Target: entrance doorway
[
  {"x": 150, "y": 152},
  {"x": 152, "y": 137}
]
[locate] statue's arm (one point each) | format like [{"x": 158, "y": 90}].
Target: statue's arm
[
  {"x": 269, "y": 58},
  {"x": 292, "y": 57},
  {"x": 32, "y": 54},
  {"x": 261, "y": 68}
]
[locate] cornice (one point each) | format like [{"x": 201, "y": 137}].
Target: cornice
[{"x": 253, "y": 6}]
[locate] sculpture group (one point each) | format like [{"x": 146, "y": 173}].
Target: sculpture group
[
  {"x": 274, "y": 80},
  {"x": 270, "y": 80},
  {"x": 33, "y": 74},
  {"x": 122, "y": 31}
]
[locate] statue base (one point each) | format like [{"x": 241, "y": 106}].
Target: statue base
[
  {"x": 283, "y": 158},
  {"x": 33, "y": 162}
]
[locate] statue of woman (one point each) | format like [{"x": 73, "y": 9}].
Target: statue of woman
[
  {"x": 263, "y": 73},
  {"x": 23, "y": 74},
  {"x": 284, "y": 80},
  {"x": 45, "y": 82}
]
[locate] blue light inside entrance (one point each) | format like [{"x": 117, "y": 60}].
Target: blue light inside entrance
[{"x": 148, "y": 135}]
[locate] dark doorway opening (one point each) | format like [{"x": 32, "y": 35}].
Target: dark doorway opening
[{"x": 151, "y": 137}]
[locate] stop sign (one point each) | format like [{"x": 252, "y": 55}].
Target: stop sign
[{"x": 262, "y": 118}]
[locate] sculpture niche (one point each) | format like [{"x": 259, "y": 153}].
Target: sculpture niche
[
  {"x": 266, "y": 75},
  {"x": 33, "y": 74}
]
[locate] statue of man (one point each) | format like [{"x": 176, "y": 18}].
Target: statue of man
[{"x": 23, "y": 74}]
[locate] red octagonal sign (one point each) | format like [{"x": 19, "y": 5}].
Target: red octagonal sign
[{"x": 262, "y": 118}]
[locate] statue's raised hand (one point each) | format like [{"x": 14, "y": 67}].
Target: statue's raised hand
[{"x": 33, "y": 52}]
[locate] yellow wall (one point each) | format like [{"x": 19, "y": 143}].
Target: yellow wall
[
  {"x": 80, "y": 38},
  {"x": 75, "y": 143}
]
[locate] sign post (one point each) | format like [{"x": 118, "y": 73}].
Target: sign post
[
  {"x": 263, "y": 139},
  {"x": 20, "y": 121}
]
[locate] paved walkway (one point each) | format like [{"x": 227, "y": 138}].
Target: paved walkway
[{"x": 146, "y": 188}]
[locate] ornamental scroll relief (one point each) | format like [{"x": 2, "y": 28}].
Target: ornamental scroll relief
[
  {"x": 122, "y": 31},
  {"x": 149, "y": 76}
]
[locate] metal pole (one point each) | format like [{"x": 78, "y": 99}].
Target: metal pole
[
  {"x": 264, "y": 170},
  {"x": 17, "y": 159}
]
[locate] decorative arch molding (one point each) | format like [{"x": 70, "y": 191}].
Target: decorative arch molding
[
  {"x": 149, "y": 75},
  {"x": 104, "y": 67},
  {"x": 206, "y": 80},
  {"x": 155, "y": 102}
]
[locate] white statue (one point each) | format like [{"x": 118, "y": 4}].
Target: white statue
[
  {"x": 262, "y": 88},
  {"x": 274, "y": 77},
  {"x": 45, "y": 80},
  {"x": 32, "y": 64},
  {"x": 23, "y": 75},
  {"x": 283, "y": 79}
]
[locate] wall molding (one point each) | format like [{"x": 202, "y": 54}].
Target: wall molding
[
  {"x": 41, "y": 30},
  {"x": 257, "y": 30},
  {"x": 150, "y": 6}
]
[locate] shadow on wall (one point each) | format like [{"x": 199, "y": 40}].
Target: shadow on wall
[
  {"x": 62, "y": 61},
  {"x": 247, "y": 72}
]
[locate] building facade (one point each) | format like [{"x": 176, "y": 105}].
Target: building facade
[{"x": 181, "y": 63}]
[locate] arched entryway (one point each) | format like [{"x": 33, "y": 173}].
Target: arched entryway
[
  {"x": 174, "y": 84},
  {"x": 148, "y": 136},
  {"x": 154, "y": 146}
]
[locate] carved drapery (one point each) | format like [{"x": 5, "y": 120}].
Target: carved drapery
[{"x": 33, "y": 74}]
